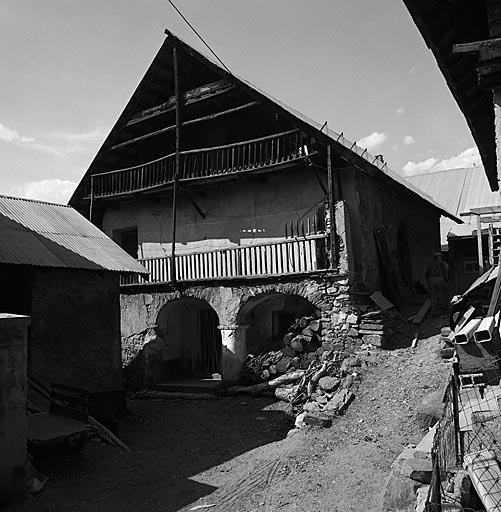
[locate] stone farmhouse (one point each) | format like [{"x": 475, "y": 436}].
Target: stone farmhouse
[{"x": 247, "y": 215}]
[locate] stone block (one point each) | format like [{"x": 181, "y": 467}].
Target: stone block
[
  {"x": 373, "y": 339},
  {"x": 317, "y": 420},
  {"x": 352, "y": 319},
  {"x": 329, "y": 383}
]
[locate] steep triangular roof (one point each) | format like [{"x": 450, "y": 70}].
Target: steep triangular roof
[{"x": 157, "y": 86}]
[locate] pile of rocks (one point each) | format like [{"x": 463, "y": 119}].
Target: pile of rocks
[
  {"x": 301, "y": 345},
  {"x": 314, "y": 377}
]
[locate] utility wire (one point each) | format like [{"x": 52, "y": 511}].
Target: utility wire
[{"x": 199, "y": 36}]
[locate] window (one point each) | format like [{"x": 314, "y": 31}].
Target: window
[{"x": 127, "y": 239}]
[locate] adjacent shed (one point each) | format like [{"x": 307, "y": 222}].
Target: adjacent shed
[{"x": 64, "y": 272}]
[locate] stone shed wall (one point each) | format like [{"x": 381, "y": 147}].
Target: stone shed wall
[
  {"x": 75, "y": 330},
  {"x": 140, "y": 310},
  {"x": 375, "y": 203}
]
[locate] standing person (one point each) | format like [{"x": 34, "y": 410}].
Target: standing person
[{"x": 437, "y": 278}]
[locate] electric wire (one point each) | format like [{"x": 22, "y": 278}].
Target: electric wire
[{"x": 199, "y": 36}]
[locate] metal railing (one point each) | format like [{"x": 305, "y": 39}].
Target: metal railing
[
  {"x": 293, "y": 256},
  {"x": 203, "y": 163}
]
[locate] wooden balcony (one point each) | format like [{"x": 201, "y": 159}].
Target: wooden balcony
[
  {"x": 288, "y": 257},
  {"x": 279, "y": 149}
]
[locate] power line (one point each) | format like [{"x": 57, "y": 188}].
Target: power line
[{"x": 199, "y": 36}]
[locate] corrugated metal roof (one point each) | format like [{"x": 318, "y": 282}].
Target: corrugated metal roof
[
  {"x": 458, "y": 190},
  {"x": 55, "y": 235}
]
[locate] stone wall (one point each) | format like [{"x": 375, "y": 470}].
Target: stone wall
[
  {"x": 75, "y": 331},
  {"x": 329, "y": 294},
  {"x": 376, "y": 203},
  {"x": 13, "y": 428}
]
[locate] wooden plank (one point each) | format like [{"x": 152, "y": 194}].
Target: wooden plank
[
  {"x": 381, "y": 301},
  {"x": 422, "y": 312},
  {"x": 485, "y": 210},
  {"x": 475, "y": 46},
  {"x": 190, "y": 97}
]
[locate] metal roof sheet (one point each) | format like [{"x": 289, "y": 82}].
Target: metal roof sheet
[
  {"x": 459, "y": 190},
  {"x": 54, "y": 235}
]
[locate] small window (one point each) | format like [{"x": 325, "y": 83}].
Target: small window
[{"x": 127, "y": 239}]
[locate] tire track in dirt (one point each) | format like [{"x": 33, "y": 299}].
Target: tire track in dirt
[{"x": 226, "y": 499}]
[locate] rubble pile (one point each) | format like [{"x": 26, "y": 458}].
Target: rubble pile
[
  {"x": 315, "y": 377},
  {"x": 301, "y": 345}
]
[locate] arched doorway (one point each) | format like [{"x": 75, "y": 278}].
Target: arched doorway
[
  {"x": 269, "y": 316},
  {"x": 189, "y": 327}
]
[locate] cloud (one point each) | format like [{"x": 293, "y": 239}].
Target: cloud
[
  {"x": 53, "y": 190},
  {"x": 8, "y": 135},
  {"x": 467, "y": 158},
  {"x": 372, "y": 141},
  {"x": 400, "y": 111},
  {"x": 408, "y": 140},
  {"x": 59, "y": 144}
]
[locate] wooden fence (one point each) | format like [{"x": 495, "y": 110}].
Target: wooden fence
[
  {"x": 291, "y": 256},
  {"x": 202, "y": 163}
]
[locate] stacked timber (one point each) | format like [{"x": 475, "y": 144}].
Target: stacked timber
[{"x": 300, "y": 346}]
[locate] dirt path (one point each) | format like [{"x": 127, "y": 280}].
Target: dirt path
[{"x": 235, "y": 454}]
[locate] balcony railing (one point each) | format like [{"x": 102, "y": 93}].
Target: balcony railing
[
  {"x": 294, "y": 256},
  {"x": 203, "y": 163}
]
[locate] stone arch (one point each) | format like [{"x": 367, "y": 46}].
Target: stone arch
[
  {"x": 267, "y": 317},
  {"x": 192, "y": 340}
]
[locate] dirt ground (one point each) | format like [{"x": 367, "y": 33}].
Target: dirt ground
[{"x": 233, "y": 454}]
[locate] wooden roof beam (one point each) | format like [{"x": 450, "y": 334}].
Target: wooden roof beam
[
  {"x": 192, "y": 96},
  {"x": 185, "y": 123}
]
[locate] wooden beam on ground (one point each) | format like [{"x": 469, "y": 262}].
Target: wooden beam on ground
[
  {"x": 195, "y": 95},
  {"x": 185, "y": 123},
  {"x": 422, "y": 312}
]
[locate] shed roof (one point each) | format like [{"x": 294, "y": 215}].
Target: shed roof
[
  {"x": 458, "y": 190},
  {"x": 53, "y": 235}
]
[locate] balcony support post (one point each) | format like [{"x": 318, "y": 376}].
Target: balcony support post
[
  {"x": 332, "y": 197},
  {"x": 178, "y": 158}
]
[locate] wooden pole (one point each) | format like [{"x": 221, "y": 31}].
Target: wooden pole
[
  {"x": 332, "y": 212},
  {"x": 480, "y": 248},
  {"x": 177, "y": 95},
  {"x": 91, "y": 197}
]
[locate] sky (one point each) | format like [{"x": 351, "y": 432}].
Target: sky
[{"x": 70, "y": 66}]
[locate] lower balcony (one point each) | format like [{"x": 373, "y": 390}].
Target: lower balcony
[{"x": 290, "y": 256}]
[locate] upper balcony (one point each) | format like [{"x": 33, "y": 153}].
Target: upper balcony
[{"x": 283, "y": 149}]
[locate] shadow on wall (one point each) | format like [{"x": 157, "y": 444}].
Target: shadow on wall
[{"x": 185, "y": 342}]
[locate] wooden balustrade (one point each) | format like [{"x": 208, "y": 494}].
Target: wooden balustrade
[
  {"x": 293, "y": 256},
  {"x": 203, "y": 163}
]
